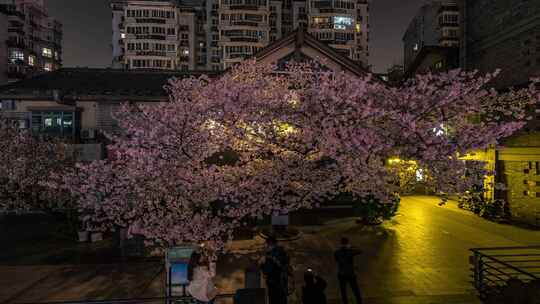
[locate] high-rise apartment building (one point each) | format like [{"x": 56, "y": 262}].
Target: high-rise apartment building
[
  {"x": 342, "y": 24},
  {"x": 244, "y": 28},
  {"x": 437, "y": 24},
  {"x": 3, "y": 46},
  {"x": 34, "y": 42},
  {"x": 215, "y": 34}
]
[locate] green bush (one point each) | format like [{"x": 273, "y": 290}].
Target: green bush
[{"x": 372, "y": 210}]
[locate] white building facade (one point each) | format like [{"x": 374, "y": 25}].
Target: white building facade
[{"x": 216, "y": 34}]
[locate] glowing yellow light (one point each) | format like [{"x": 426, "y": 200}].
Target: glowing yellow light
[
  {"x": 358, "y": 28},
  {"x": 285, "y": 128},
  {"x": 393, "y": 161},
  {"x": 396, "y": 160}
]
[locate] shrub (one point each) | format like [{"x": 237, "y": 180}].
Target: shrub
[{"x": 372, "y": 210}]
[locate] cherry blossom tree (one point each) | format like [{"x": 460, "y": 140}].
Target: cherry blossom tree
[
  {"x": 255, "y": 142},
  {"x": 26, "y": 165}
]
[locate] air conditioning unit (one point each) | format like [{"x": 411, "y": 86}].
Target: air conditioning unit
[{"x": 88, "y": 133}]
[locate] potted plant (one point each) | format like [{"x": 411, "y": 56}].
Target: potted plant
[
  {"x": 96, "y": 236},
  {"x": 83, "y": 235}
]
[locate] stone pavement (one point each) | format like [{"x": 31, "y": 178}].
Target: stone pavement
[{"x": 420, "y": 257}]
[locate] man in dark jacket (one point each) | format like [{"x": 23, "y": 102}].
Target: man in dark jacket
[
  {"x": 275, "y": 268},
  {"x": 345, "y": 262}
]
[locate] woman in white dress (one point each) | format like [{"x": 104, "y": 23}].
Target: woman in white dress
[{"x": 200, "y": 274}]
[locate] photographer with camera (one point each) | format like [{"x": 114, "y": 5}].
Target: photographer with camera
[{"x": 313, "y": 289}]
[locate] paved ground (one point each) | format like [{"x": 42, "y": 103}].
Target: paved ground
[{"x": 419, "y": 257}]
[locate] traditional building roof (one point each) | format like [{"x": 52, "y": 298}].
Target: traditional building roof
[
  {"x": 298, "y": 40},
  {"x": 450, "y": 54},
  {"x": 95, "y": 85}
]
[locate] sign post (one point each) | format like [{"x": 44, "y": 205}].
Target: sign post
[{"x": 176, "y": 264}]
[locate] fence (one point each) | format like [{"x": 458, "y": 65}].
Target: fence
[
  {"x": 493, "y": 267},
  {"x": 224, "y": 298}
]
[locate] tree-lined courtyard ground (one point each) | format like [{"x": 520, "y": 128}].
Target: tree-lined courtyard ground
[{"x": 420, "y": 256}]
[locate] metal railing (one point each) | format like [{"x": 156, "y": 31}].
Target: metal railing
[
  {"x": 156, "y": 300},
  {"x": 493, "y": 267}
]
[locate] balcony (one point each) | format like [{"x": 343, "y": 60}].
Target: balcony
[
  {"x": 334, "y": 10},
  {"x": 151, "y": 37},
  {"x": 151, "y": 53},
  {"x": 236, "y": 56},
  {"x": 16, "y": 30},
  {"x": 245, "y": 7},
  {"x": 322, "y": 4},
  {"x": 15, "y": 44},
  {"x": 151, "y": 20},
  {"x": 243, "y": 23},
  {"x": 244, "y": 39}
]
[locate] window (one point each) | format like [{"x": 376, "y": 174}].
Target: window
[
  {"x": 171, "y": 31},
  {"x": 48, "y": 67},
  {"x": 53, "y": 122},
  {"x": 31, "y": 60},
  {"x": 415, "y": 47},
  {"x": 438, "y": 65},
  {"x": 123, "y": 35},
  {"x": 47, "y": 52},
  {"x": 342, "y": 23},
  {"x": 171, "y": 47},
  {"x": 16, "y": 56},
  {"x": 56, "y": 55}
]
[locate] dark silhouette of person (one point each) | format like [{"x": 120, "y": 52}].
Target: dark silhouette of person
[
  {"x": 313, "y": 289},
  {"x": 276, "y": 271},
  {"x": 346, "y": 273}
]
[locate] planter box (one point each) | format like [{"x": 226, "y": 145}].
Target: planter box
[
  {"x": 96, "y": 237},
  {"x": 83, "y": 236}
]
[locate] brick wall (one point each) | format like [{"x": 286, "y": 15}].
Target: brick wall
[{"x": 523, "y": 196}]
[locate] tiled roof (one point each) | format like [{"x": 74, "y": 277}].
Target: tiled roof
[
  {"x": 451, "y": 53},
  {"x": 95, "y": 84},
  {"x": 300, "y": 37}
]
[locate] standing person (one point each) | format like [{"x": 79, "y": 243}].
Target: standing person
[
  {"x": 313, "y": 289},
  {"x": 200, "y": 275},
  {"x": 346, "y": 273},
  {"x": 276, "y": 271}
]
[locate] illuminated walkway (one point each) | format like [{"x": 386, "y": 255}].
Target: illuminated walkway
[{"x": 420, "y": 257}]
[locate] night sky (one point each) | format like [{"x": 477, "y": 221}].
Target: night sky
[{"x": 87, "y": 30}]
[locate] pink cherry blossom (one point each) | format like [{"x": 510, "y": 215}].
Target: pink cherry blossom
[{"x": 254, "y": 142}]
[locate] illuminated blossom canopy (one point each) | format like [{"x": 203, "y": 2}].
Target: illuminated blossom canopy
[{"x": 254, "y": 142}]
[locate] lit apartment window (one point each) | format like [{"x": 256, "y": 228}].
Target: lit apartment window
[
  {"x": 48, "y": 67},
  {"x": 342, "y": 23},
  {"x": 53, "y": 122},
  {"x": 47, "y": 52},
  {"x": 16, "y": 56},
  {"x": 31, "y": 60},
  {"x": 56, "y": 55},
  {"x": 123, "y": 35},
  {"x": 415, "y": 47}
]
